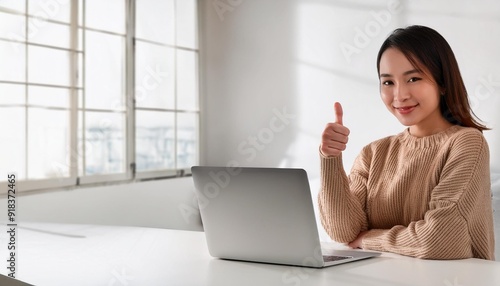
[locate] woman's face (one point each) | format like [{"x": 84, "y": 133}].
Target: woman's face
[{"x": 409, "y": 94}]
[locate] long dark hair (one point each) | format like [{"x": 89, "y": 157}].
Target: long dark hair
[{"x": 426, "y": 49}]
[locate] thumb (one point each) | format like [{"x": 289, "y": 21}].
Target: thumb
[{"x": 338, "y": 113}]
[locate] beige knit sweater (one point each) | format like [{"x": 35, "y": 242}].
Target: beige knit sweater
[{"x": 425, "y": 197}]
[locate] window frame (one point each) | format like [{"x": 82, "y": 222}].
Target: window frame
[{"x": 77, "y": 34}]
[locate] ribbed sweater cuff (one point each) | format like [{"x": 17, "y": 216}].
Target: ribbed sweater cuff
[
  {"x": 374, "y": 240},
  {"x": 330, "y": 165}
]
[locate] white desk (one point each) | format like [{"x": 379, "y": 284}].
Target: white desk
[{"x": 59, "y": 254}]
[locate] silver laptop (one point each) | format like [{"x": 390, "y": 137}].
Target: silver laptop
[{"x": 263, "y": 215}]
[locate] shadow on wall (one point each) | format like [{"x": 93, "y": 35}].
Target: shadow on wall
[{"x": 250, "y": 113}]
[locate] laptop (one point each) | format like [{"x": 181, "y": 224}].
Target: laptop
[{"x": 263, "y": 215}]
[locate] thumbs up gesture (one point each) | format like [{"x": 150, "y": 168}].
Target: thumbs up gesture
[{"x": 335, "y": 135}]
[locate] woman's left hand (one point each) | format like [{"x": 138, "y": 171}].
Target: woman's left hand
[{"x": 358, "y": 241}]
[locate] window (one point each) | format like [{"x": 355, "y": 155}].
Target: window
[
  {"x": 166, "y": 77},
  {"x": 97, "y": 91}
]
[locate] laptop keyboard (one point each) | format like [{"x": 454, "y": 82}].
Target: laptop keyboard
[{"x": 329, "y": 258}]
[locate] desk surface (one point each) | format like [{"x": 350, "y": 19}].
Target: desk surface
[{"x": 61, "y": 254}]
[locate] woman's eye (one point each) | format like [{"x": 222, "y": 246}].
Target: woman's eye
[
  {"x": 413, "y": 79},
  {"x": 387, "y": 82}
]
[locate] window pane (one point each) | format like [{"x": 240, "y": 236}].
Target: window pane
[
  {"x": 49, "y": 96},
  {"x": 104, "y": 143},
  {"x": 104, "y": 71},
  {"x": 54, "y": 10},
  {"x": 12, "y": 94},
  {"x": 150, "y": 16},
  {"x": 12, "y": 27},
  {"x": 48, "y": 142},
  {"x": 187, "y": 80},
  {"x": 186, "y": 15},
  {"x": 187, "y": 140},
  {"x": 154, "y": 81},
  {"x": 155, "y": 140},
  {"x": 12, "y": 141},
  {"x": 52, "y": 35},
  {"x": 14, "y": 5},
  {"x": 13, "y": 59},
  {"x": 106, "y": 15},
  {"x": 41, "y": 59}
]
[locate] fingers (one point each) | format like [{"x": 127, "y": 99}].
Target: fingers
[
  {"x": 333, "y": 149},
  {"x": 335, "y": 135},
  {"x": 337, "y": 128},
  {"x": 334, "y": 139},
  {"x": 339, "y": 113}
]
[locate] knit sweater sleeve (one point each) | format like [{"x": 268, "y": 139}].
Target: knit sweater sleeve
[
  {"x": 458, "y": 223},
  {"x": 342, "y": 199}
]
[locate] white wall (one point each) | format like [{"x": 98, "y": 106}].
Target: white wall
[{"x": 259, "y": 56}]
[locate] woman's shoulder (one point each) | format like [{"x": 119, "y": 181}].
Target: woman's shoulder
[
  {"x": 469, "y": 132},
  {"x": 467, "y": 137}
]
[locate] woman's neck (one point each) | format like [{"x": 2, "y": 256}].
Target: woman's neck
[{"x": 430, "y": 127}]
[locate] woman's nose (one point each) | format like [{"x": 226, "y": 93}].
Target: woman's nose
[{"x": 401, "y": 93}]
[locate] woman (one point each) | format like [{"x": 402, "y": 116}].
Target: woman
[{"x": 426, "y": 191}]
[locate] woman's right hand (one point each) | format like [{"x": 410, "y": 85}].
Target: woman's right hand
[{"x": 335, "y": 135}]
